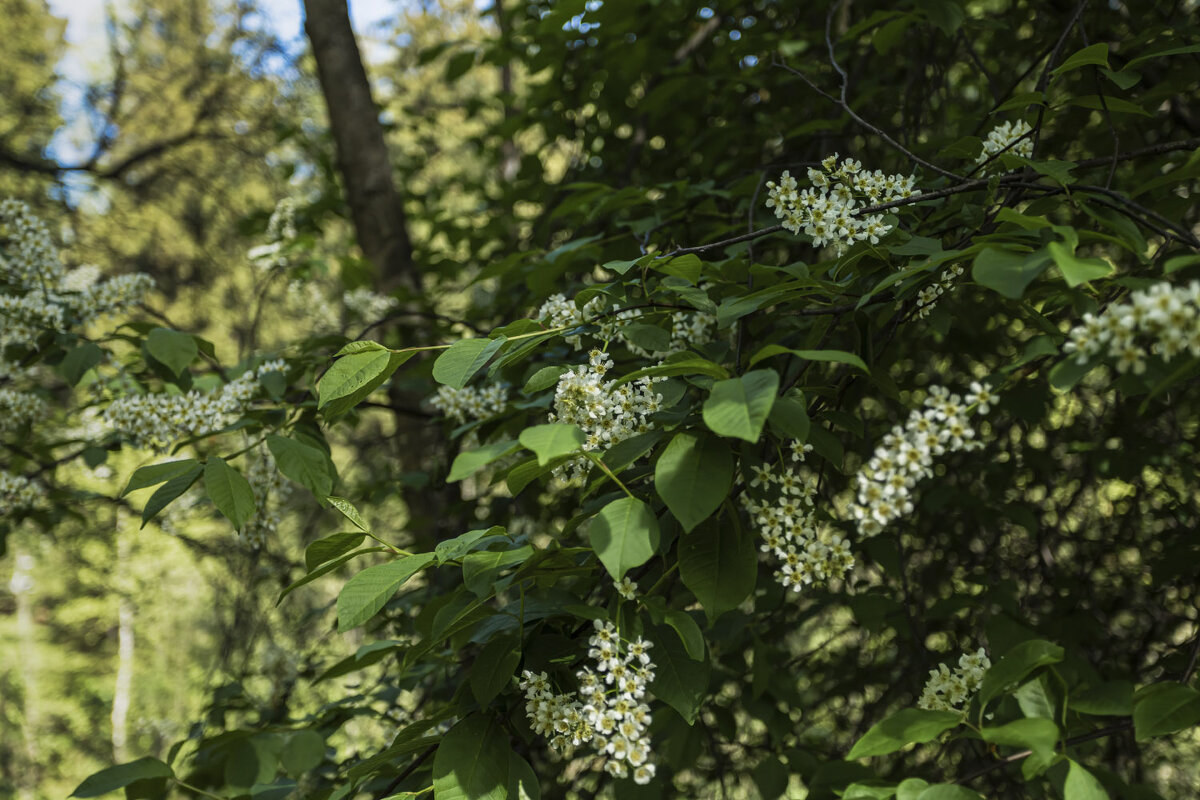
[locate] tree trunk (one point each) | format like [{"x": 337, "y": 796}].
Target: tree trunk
[{"x": 362, "y": 157}]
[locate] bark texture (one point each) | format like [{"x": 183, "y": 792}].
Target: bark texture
[{"x": 362, "y": 156}]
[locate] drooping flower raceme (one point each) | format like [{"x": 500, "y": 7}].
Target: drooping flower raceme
[
  {"x": 1164, "y": 320},
  {"x": 885, "y": 483},
  {"x": 606, "y": 412},
  {"x": 609, "y": 712},
  {"x": 830, "y": 210},
  {"x": 951, "y": 690},
  {"x": 1004, "y": 135},
  {"x": 18, "y": 493},
  {"x": 927, "y": 298},
  {"x": 158, "y": 420},
  {"x": 779, "y": 501},
  {"x": 471, "y": 402},
  {"x": 689, "y": 329}
]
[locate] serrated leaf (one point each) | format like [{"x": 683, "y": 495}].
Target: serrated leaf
[
  {"x": 1018, "y": 662},
  {"x": 463, "y": 359},
  {"x": 1081, "y": 784},
  {"x": 789, "y": 416},
  {"x": 686, "y": 266},
  {"x": 353, "y": 377},
  {"x": 459, "y": 546},
  {"x": 719, "y": 565},
  {"x": 693, "y": 476},
  {"x": 1170, "y": 709},
  {"x": 906, "y": 726},
  {"x": 1034, "y": 733},
  {"x": 302, "y": 463},
  {"x": 1076, "y": 270},
  {"x": 350, "y": 512},
  {"x": 1111, "y": 699},
  {"x": 330, "y": 547},
  {"x": 170, "y": 491},
  {"x": 303, "y": 750},
  {"x": 367, "y": 592},
  {"x": 837, "y": 356},
  {"x": 230, "y": 492},
  {"x": 1008, "y": 272},
  {"x": 471, "y": 461},
  {"x": 172, "y": 349},
  {"x": 1092, "y": 55},
  {"x": 472, "y": 761},
  {"x": 551, "y": 441},
  {"x": 689, "y": 632},
  {"x": 624, "y": 535},
  {"x": 79, "y": 360},
  {"x": 157, "y": 473},
  {"x": 494, "y": 667},
  {"x": 739, "y": 407},
  {"x": 679, "y": 681},
  {"x": 120, "y": 776},
  {"x": 360, "y": 346},
  {"x": 544, "y": 378}
]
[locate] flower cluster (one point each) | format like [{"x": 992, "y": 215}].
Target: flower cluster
[
  {"x": 951, "y": 690},
  {"x": 607, "y": 412},
  {"x": 471, "y": 402},
  {"x": 559, "y": 312},
  {"x": 44, "y": 296},
  {"x": 609, "y": 712},
  {"x": 689, "y": 330},
  {"x": 18, "y": 493},
  {"x": 270, "y": 489},
  {"x": 367, "y": 304},
  {"x": 1168, "y": 316},
  {"x": 158, "y": 420},
  {"x": 886, "y": 482},
  {"x": 827, "y": 210},
  {"x": 281, "y": 229},
  {"x": 18, "y": 408},
  {"x": 927, "y": 298},
  {"x": 1002, "y": 136},
  {"x": 779, "y": 501}
]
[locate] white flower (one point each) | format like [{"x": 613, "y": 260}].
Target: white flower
[
  {"x": 1004, "y": 135},
  {"x": 626, "y": 588},
  {"x": 948, "y": 690}
]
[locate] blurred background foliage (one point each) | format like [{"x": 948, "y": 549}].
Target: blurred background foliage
[{"x": 530, "y": 142}]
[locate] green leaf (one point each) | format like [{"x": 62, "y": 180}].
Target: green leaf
[
  {"x": 911, "y": 788},
  {"x": 157, "y": 473},
  {"x": 229, "y": 491},
  {"x": 79, "y": 360},
  {"x": 302, "y": 751},
  {"x": 350, "y": 512},
  {"x": 330, "y": 547},
  {"x": 120, "y": 776},
  {"x": 1034, "y": 733},
  {"x": 551, "y": 441},
  {"x": 1067, "y": 373},
  {"x": 1008, "y": 272},
  {"x": 302, "y": 463},
  {"x": 360, "y": 346},
  {"x": 1111, "y": 699},
  {"x": 1015, "y": 665},
  {"x": 719, "y": 564},
  {"x": 686, "y": 266},
  {"x": 739, "y": 407},
  {"x": 472, "y": 761},
  {"x": 544, "y": 378},
  {"x": 1113, "y": 104},
  {"x": 681, "y": 364},
  {"x": 480, "y": 570},
  {"x": 789, "y": 416},
  {"x": 1167, "y": 710},
  {"x": 367, "y": 592},
  {"x": 465, "y": 357},
  {"x": 1081, "y": 784},
  {"x": 689, "y": 632},
  {"x": 494, "y": 667},
  {"x": 172, "y": 349},
  {"x": 1179, "y": 262},
  {"x": 693, "y": 476},
  {"x": 1171, "y": 51},
  {"x": 1092, "y": 55},
  {"x": 838, "y": 356},
  {"x": 473, "y": 460},
  {"x": 352, "y": 378},
  {"x": 679, "y": 681},
  {"x": 169, "y": 491},
  {"x": 459, "y": 546},
  {"x": 1077, "y": 270},
  {"x": 906, "y": 726},
  {"x": 325, "y": 569},
  {"x": 523, "y": 783},
  {"x": 624, "y": 535}
]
